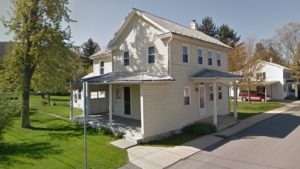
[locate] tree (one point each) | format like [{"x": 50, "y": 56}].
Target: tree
[
  {"x": 295, "y": 65},
  {"x": 288, "y": 38},
  {"x": 237, "y": 58},
  {"x": 208, "y": 27},
  {"x": 36, "y": 25},
  {"x": 227, "y": 35},
  {"x": 89, "y": 48}
]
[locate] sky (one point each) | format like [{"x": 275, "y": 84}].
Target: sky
[{"x": 100, "y": 19}]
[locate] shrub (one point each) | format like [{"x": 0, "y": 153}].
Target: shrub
[
  {"x": 199, "y": 129},
  {"x": 44, "y": 102},
  {"x": 8, "y": 109}
]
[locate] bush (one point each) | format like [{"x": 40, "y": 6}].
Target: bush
[
  {"x": 8, "y": 109},
  {"x": 199, "y": 129},
  {"x": 44, "y": 102}
]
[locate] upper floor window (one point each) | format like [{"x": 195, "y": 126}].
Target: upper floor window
[
  {"x": 101, "y": 67},
  {"x": 187, "y": 95},
  {"x": 209, "y": 57},
  {"x": 200, "y": 56},
  {"x": 126, "y": 58},
  {"x": 151, "y": 54},
  {"x": 261, "y": 76},
  {"x": 185, "y": 54},
  {"x": 218, "y": 56}
]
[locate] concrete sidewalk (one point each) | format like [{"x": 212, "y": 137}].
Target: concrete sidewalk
[{"x": 151, "y": 157}]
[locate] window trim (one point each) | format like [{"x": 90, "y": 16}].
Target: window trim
[
  {"x": 154, "y": 54},
  {"x": 209, "y": 50},
  {"x": 126, "y": 58},
  {"x": 189, "y": 95},
  {"x": 188, "y": 53},
  {"x": 218, "y": 58},
  {"x": 101, "y": 67},
  {"x": 201, "y": 55}
]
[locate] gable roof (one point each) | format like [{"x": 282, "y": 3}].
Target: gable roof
[
  {"x": 168, "y": 26},
  {"x": 274, "y": 64}
]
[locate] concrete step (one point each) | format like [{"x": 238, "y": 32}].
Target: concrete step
[{"x": 123, "y": 143}]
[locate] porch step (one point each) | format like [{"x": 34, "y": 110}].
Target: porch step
[
  {"x": 133, "y": 136},
  {"x": 123, "y": 144}
]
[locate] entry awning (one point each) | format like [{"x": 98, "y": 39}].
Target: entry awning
[
  {"x": 259, "y": 83},
  {"x": 209, "y": 74},
  {"x": 128, "y": 77}
]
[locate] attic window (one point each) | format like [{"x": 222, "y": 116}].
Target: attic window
[
  {"x": 126, "y": 58},
  {"x": 151, "y": 54}
]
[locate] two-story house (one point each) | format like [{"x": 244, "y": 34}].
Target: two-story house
[
  {"x": 271, "y": 79},
  {"x": 160, "y": 75}
]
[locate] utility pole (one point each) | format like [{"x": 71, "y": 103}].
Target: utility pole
[{"x": 86, "y": 96}]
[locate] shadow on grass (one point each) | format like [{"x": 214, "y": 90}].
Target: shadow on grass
[
  {"x": 60, "y": 100},
  {"x": 34, "y": 151}
]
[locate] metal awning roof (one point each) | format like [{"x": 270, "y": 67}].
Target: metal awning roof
[
  {"x": 214, "y": 74},
  {"x": 127, "y": 77}
]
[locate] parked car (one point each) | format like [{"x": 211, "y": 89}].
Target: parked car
[{"x": 253, "y": 96}]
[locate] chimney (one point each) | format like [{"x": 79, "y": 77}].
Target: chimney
[
  {"x": 194, "y": 25},
  {"x": 271, "y": 60}
]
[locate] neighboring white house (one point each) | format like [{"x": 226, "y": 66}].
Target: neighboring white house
[
  {"x": 274, "y": 79},
  {"x": 157, "y": 75}
]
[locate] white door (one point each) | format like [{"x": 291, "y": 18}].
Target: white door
[
  {"x": 202, "y": 100},
  {"x": 119, "y": 101}
]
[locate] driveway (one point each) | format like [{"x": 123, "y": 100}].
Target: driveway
[{"x": 271, "y": 144}]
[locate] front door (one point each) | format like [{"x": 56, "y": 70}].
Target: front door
[
  {"x": 202, "y": 100},
  {"x": 127, "y": 101}
]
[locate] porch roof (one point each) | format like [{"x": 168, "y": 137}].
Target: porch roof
[
  {"x": 214, "y": 74},
  {"x": 128, "y": 77}
]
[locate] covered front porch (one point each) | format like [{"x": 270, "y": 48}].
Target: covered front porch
[
  {"x": 115, "y": 101},
  {"x": 217, "y": 82}
]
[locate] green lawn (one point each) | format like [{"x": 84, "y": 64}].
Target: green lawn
[
  {"x": 55, "y": 143},
  {"x": 62, "y": 105},
  {"x": 245, "y": 109}
]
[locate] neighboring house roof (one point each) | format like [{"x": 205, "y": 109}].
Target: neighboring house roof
[
  {"x": 259, "y": 83},
  {"x": 168, "y": 27},
  {"x": 104, "y": 52},
  {"x": 209, "y": 73},
  {"x": 274, "y": 64},
  {"x": 118, "y": 77}
]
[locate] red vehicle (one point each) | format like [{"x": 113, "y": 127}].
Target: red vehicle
[{"x": 253, "y": 96}]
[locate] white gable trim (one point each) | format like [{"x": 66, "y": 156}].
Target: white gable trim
[{"x": 127, "y": 21}]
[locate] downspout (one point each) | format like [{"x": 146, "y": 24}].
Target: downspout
[{"x": 169, "y": 55}]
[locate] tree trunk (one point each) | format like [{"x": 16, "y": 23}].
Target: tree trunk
[
  {"x": 27, "y": 74},
  {"x": 249, "y": 98}
]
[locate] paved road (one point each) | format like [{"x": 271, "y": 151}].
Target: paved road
[{"x": 272, "y": 144}]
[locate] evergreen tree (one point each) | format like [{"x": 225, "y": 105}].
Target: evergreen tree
[
  {"x": 227, "y": 35},
  {"x": 89, "y": 48},
  {"x": 208, "y": 27}
]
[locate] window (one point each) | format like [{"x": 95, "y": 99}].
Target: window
[
  {"x": 126, "y": 58},
  {"x": 218, "y": 56},
  {"x": 101, "y": 94},
  {"x": 200, "y": 56},
  {"x": 211, "y": 92},
  {"x": 94, "y": 95},
  {"x": 101, "y": 67},
  {"x": 209, "y": 57},
  {"x": 151, "y": 54},
  {"x": 187, "y": 95},
  {"x": 220, "y": 91},
  {"x": 79, "y": 94},
  {"x": 75, "y": 97},
  {"x": 261, "y": 76},
  {"x": 185, "y": 54}
]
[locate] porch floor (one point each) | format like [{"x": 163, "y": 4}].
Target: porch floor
[
  {"x": 224, "y": 121},
  {"x": 118, "y": 123}
]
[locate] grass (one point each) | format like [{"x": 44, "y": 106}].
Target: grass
[
  {"x": 55, "y": 143},
  {"x": 62, "y": 107},
  {"x": 245, "y": 109}
]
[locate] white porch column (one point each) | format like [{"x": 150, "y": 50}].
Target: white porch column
[
  {"x": 71, "y": 102},
  {"x": 215, "y": 89},
  {"x": 142, "y": 108},
  {"x": 235, "y": 100},
  {"x": 266, "y": 93},
  {"x": 296, "y": 90},
  {"x": 110, "y": 105}
]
